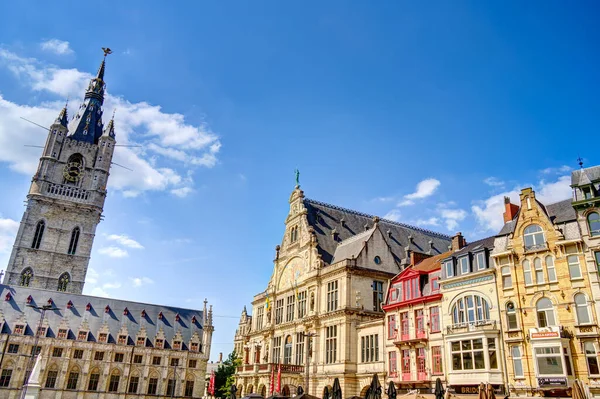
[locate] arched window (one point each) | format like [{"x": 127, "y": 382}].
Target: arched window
[
  {"x": 63, "y": 282},
  {"x": 287, "y": 350},
  {"x": 6, "y": 374},
  {"x": 39, "y": 233},
  {"x": 539, "y": 271},
  {"x": 26, "y": 277},
  {"x": 51, "y": 376},
  {"x": 113, "y": 382},
  {"x": 545, "y": 313},
  {"x": 470, "y": 309},
  {"x": 511, "y": 316},
  {"x": 581, "y": 309},
  {"x": 73, "y": 379},
  {"x": 550, "y": 268},
  {"x": 591, "y": 357},
  {"x": 527, "y": 272},
  {"x": 533, "y": 237},
  {"x": 93, "y": 381},
  {"x": 74, "y": 241},
  {"x": 594, "y": 224}
]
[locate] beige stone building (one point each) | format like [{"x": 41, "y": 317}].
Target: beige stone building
[
  {"x": 329, "y": 279},
  {"x": 549, "y": 323}
]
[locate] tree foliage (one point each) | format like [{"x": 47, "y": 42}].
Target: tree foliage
[{"x": 225, "y": 375}]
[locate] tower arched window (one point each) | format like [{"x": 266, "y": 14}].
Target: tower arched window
[
  {"x": 511, "y": 316},
  {"x": 533, "y": 237},
  {"x": 581, "y": 309},
  {"x": 74, "y": 241},
  {"x": 594, "y": 223},
  {"x": 545, "y": 313},
  {"x": 37, "y": 236},
  {"x": 26, "y": 277},
  {"x": 63, "y": 282}
]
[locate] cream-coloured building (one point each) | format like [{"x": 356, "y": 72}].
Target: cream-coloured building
[
  {"x": 328, "y": 282},
  {"x": 549, "y": 323}
]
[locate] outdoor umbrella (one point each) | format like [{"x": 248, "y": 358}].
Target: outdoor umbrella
[
  {"x": 299, "y": 391},
  {"x": 326, "y": 394},
  {"x": 577, "y": 390},
  {"x": 490, "y": 392},
  {"x": 391, "y": 392},
  {"x": 253, "y": 396},
  {"x": 305, "y": 396},
  {"x": 483, "y": 394},
  {"x": 374, "y": 391},
  {"x": 439, "y": 389},
  {"x": 337, "y": 390},
  {"x": 355, "y": 397}
]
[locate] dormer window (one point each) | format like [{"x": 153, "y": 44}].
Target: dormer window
[
  {"x": 41, "y": 331},
  {"x": 141, "y": 341},
  {"x": 533, "y": 237},
  {"x": 82, "y": 335},
  {"x": 480, "y": 260},
  {"x": 20, "y": 329},
  {"x": 449, "y": 268},
  {"x": 122, "y": 340},
  {"x": 159, "y": 343},
  {"x": 195, "y": 346},
  {"x": 176, "y": 344},
  {"x": 62, "y": 333},
  {"x": 464, "y": 265},
  {"x": 103, "y": 337}
]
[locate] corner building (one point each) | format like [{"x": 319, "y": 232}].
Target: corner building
[
  {"x": 545, "y": 298},
  {"x": 88, "y": 347},
  {"x": 321, "y": 311}
]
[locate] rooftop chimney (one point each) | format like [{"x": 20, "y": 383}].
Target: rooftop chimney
[
  {"x": 510, "y": 210},
  {"x": 220, "y": 357},
  {"x": 458, "y": 241}
]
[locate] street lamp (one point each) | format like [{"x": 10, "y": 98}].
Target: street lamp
[
  {"x": 42, "y": 310},
  {"x": 307, "y": 337}
]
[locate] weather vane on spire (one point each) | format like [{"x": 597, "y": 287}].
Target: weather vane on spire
[
  {"x": 297, "y": 172},
  {"x": 107, "y": 51},
  {"x": 580, "y": 162}
]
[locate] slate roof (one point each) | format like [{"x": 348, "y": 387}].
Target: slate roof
[
  {"x": 559, "y": 212},
  {"x": 433, "y": 263},
  {"x": 475, "y": 246},
  {"x": 324, "y": 218},
  {"x": 585, "y": 176},
  {"x": 98, "y": 314},
  {"x": 351, "y": 247}
]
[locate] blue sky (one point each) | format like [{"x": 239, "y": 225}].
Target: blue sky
[{"x": 424, "y": 113}]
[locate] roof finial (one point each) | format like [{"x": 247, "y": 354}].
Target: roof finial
[
  {"x": 107, "y": 51},
  {"x": 113, "y": 115},
  {"x": 580, "y": 162},
  {"x": 297, "y": 172}
]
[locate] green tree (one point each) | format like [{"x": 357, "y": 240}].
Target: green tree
[{"x": 224, "y": 376}]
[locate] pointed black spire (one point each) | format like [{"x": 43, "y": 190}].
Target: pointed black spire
[
  {"x": 110, "y": 128},
  {"x": 62, "y": 116}
]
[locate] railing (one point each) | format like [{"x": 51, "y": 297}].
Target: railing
[
  {"x": 249, "y": 367},
  {"x": 66, "y": 191},
  {"x": 421, "y": 334},
  {"x": 536, "y": 247},
  {"x": 472, "y": 326},
  {"x": 263, "y": 367}
]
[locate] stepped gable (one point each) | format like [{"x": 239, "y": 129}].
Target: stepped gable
[
  {"x": 103, "y": 311},
  {"x": 558, "y": 212},
  {"x": 324, "y": 218}
]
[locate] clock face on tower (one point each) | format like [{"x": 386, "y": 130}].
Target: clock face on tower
[
  {"x": 292, "y": 274},
  {"x": 72, "y": 171}
]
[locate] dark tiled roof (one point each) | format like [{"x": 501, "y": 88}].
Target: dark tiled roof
[
  {"x": 98, "y": 314},
  {"x": 324, "y": 218},
  {"x": 585, "y": 176},
  {"x": 433, "y": 263},
  {"x": 475, "y": 246},
  {"x": 559, "y": 212}
]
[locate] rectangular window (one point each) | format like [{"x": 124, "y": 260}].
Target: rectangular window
[
  {"x": 279, "y": 311},
  {"x": 416, "y": 290},
  {"x": 51, "y": 378},
  {"x": 527, "y": 272},
  {"x": 574, "y": 269},
  {"x": 597, "y": 257},
  {"x": 291, "y": 302},
  {"x": 156, "y": 361},
  {"x": 78, "y": 354},
  {"x": 13, "y": 348},
  {"x": 550, "y": 268},
  {"x": 539, "y": 271},
  {"x": 99, "y": 356},
  {"x": 82, "y": 335},
  {"x": 177, "y": 345},
  {"x": 377, "y": 295},
  {"x": 392, "y": 327},
  {"x": 420, "y": 323},
  {"x": 159, "y": 343},
  {"x": 5, "y": 378},
  {"x": 404, "y": 332},
  {"x": 434, "y": 316},
  {"x": 331, "y": 343},
  {"x": 35, "y": 350},
  {"x": 93, "y": 383},
  {"x": 122, "y": 340},
  {"x": 464, "y": 265},
  {"x": 276, "y": 350},
  {"x": 517, "y": 361},
  {"x": 480, "y": 259},
  {"x": 137, "y": 359},
  {"x": 103, "y": 337},
  {"x": 449, "y": 268},
  {"x": 301, "y": 304},
  {"x": 72, "y": 381},
  {"x": 19, "y": 329},
  {"x": 435, "y": 284},
  {"x": 189, "y": 389},
  {"x": 141, "y": 341},
  {"x": 370, "y": 348},
  {"x": 332, "y": 296},
  {"x": 192, "y": 363},
  {"x": 260, "y": 312},
  {"x": 170, "y": 387},
  {"x": 549, "y": 361},
  {"x": 152, "y": 386},
  {"x": 113, "y": 385},
  {"x": 133, "y": 384},
  {"x": 119, "y": 357},
  {"x": 406, "y": 364},
  {"x": 492, "y": 353},
  {"x": 436, "y": 360},
  {"x": 57, "y": 352},
  {"x": 506, "y": 277},
  {"x": 393, "y": 366},
  {"x": 468, "y": 354},
  {"x": 174, "y": 362},
  {"x": 62, "y": 333},
  {"x": 300, "y": 348}
]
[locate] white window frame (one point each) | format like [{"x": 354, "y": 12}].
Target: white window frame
[
  {"x": 559, "y": 355},
  {"x": 535, "y": 235},
  {"x": 332, "y": 295},
  {"x": 574, "y": 266},
  {"x": 517, "y": 358},
  {"x": 581, "y": 307},
  {"x": 480, "y": 259},
  {"x": 512, "y": 311},
  {"x": 545, "y": 310},
  {"x": 462, "y": 262},
  {"x": 550, "y": 269},
  {"x": 449, "y": 267},
  {"x": 527, "y": 272},
  {"x": 539, "y": 271},
  {"x": 506, "y": 276},
  {"x": 591, "y": 354}
]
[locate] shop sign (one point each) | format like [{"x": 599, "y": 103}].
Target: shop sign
[
  {"x": 544, "y": 334},
  {"x": 552, "y": 382},
  {"x": 474, "y": 389}
]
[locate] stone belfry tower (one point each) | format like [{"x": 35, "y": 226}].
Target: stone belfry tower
[{"x": 64, "y": 204}]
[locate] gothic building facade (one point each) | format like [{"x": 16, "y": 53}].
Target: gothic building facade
[{"x": 84, "y": 346}]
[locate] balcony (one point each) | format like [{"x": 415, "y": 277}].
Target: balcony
[
  {"x": 71, "y": 193},
  {"x": 536, "y": 248},
  {"x": 267, "y": 367},
  {"x": 482, "y": 325},
  {"x": 411, "y": 339},
  {"x": 587, "y": 331}
]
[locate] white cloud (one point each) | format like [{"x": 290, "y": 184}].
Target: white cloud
[
  {"x": 493, "y": 182},
  {"x": 488, "y": 212},
  {"x": 182, "y": 192},
  {"x": 405, "y": 203},
  {"x": 56, "y": 46},
  {"x": 125, "y": 241},
  {"x": 424, "y": 189},
  {"x": 113, "y": 252},
  {"x": 98, "y": 291},
  {"x": 393, "y": 215},
  {"x": 164, "y": 134},
  {"x": 432, "y": 221},
  {"x": 452, "y": 217},
  {"x": 557, "y": 170},
  {"x": 8, "y": 231},
  {"x": 92, "y": 276},
  {"x": 111, "y": 286},
  {"x": 139, "y": 281}
]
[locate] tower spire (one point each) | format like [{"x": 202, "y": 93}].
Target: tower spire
[{"x": 62, "y": 116}]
